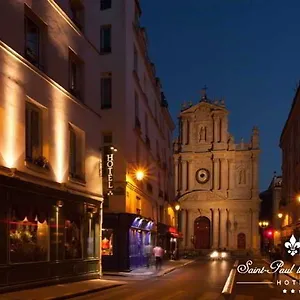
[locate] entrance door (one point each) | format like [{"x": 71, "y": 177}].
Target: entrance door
[
  {"x": 202, "y": 233},
  {"x": 241, "y": 240}
]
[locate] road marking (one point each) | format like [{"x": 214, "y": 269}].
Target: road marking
[{"x": 210, "y": 296}]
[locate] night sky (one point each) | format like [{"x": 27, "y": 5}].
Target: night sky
[{"x": 247, "y": 51}]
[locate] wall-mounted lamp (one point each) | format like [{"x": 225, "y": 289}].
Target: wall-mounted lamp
[
  {"x": 139, "y": 174},
  {"x": 59, "y": 203},
  {"x": 177, "y": 206},
  {"x": 280, "y": 215},
  {"x": 113, "y": 149}
]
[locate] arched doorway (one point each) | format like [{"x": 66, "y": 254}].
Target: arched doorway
[
  {"x": 241, "y": 241},
  {"x": 202, "y": 233}
]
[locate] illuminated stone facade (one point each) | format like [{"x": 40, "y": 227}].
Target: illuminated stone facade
[{"x": 216, "y": 180}]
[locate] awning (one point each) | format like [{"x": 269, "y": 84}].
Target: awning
[{"x": 173, "y": 232}]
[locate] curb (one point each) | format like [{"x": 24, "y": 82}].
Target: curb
[
  {"x": 174, "y": 268},
  {"x": 85, "y": 292}
]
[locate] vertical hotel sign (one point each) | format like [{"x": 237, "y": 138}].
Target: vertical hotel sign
[{"x": 110, "y": 166}]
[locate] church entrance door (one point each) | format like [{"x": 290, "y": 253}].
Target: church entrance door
[
  {"x": 202, "y": 233},
  {"x": 241, "y": 241}
]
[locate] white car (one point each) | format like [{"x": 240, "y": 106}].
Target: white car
[{"x": 219, "y": 255}]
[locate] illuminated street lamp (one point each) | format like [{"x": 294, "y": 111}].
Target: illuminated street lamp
[
  {"x": 280, "y": 215},
  {"x": 298, "y": 197},
  {"x": 139, "y": 175},
  {"x": 177, "y": 206}
]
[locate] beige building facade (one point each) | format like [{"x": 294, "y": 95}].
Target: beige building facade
[{"x": 216, "y": 180}]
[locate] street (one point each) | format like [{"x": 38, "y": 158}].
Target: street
[{"x": 203, "y": 280}]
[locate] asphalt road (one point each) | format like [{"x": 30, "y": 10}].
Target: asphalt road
[{"x": 199, "y": 280}]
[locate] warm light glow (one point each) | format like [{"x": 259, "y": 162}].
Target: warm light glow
[
  {"x": 139, "y": 175},
  {"x": 223, "y": 254},
  {"x": 177, "y": 207},
  {"x": 215, "y": 254},
  {"x": 260, "y": 223},
  {"x": 298, "y": 198},
  {"x": 280, "y": 215}
]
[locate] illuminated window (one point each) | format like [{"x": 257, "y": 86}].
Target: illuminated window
[
  {"x": 105, "y": 39},
  {"x": 73, "y": 238},
  {"x": 105, "y": 4},
  {"x": 32, "y": 41},
  {"x": 107, "y": 242},
  {"x": 33, "y": 132}
]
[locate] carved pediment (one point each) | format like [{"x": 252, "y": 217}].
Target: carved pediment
[{"x": 203, "y": 196}]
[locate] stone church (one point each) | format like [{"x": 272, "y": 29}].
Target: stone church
[{"x": 216, "y": 180}]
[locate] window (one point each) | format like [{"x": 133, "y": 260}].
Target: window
[
  {"x": 29, "y": 235},
  {"x": 77, "y": 13},
  {"x": 106, "y": 92},
  {"x": 135, "y": 60},
  {"x": 138, "y": 205},
  {"x": 107, "y": 242},
  {"x": 105, "y": 4},
  {"x": 105, "y": 38},
  {"x": 107, "y": 138},
  {"x": 32, "y": 42},
  {"x": 76, "y": 157},
  {"x": 75, "y": 76},
  {"x": 33, "y": 128},
  {"x": 91, "y": 235},
  {"x": 73, "y": 238}
]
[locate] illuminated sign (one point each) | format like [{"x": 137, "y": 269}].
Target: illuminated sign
[{"x": 110, "y": 166}]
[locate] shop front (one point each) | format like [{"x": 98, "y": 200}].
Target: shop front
[
  {"x": 124, "y": 238},
  {"x": 47, "y": 235},
  {"x": 173, "y": 238}
]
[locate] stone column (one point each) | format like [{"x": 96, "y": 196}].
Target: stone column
[
  {"x": 224, "y": 174},
  {"x": 216, "y": 129},
  {"x": 250, "y": 229},
  {"x": 231, "y": 166},
  {"x": 231, "y": 229},
  {"x": 255, "y": 173},
  {"x": 176, "y": 175},
  {"x": 187, "y": 230},
  {"x": 223, "y": 228},
  {"x": 184, "y": 175},
  {"x": 216, "y": 174},
  {"x": 255, "y": 231},
  {"x": 183, "y": 227},
  {"x": 215, "y": 228},
  {"x": 224, "y": 133}
]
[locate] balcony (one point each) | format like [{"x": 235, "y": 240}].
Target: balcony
[{"x": 148, "y": 144}]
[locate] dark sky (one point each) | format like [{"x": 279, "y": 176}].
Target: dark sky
[{"x": 247, "y": 51}]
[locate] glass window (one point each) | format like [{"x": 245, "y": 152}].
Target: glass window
[
  {"x": 33, "y": 132},
  {"x": 91, "y": 238},
  {"x": 73, "y": 239},
  {"x": 106, "y": 92},
  {"x": 105, "y": 37},
  {"x": 76, "y": 76},
  {"x": 32, "y": 41},
  {"x": 107, "y": 242},
  {"x": 29, "y": 239},
  {"x": 105, "y": 4}
]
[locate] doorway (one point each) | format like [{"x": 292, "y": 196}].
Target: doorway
[
  {"x": 202, "y": 233},
  {"x": 241, "y": 241}
]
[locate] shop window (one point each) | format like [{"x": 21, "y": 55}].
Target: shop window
[
  {"x": 73, "y": 248},
  {"x": 107, "y": 242},
  {"x": 29, "y": 238},
  {"x": 91, "y": 236}
]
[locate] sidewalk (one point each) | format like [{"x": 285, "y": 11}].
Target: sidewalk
[
  {"x": 62, "y": 291},
  {"x": 168, "y": 266}
]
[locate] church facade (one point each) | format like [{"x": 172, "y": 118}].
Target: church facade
[{"x": 216, "y": 181}]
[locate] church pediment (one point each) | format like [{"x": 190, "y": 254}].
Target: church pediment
[
  {"x": 202, "y": 196},
  {"x": 204, "y": 107}
]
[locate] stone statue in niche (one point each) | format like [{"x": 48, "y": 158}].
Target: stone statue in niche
[
  {"x": 242, "y": 176},
  {"x": 202, "y": 134}
]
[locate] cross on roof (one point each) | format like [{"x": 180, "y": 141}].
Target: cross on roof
[{"x": 203, "y": 92}]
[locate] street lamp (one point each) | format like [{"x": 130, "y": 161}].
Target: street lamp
[
  {"x": 177, "y": 207},
  {"x": 280, "y": 215},
  {"x": 140, "y": 174}
]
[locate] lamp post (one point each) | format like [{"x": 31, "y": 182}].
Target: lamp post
[{"x": 177, "y": 209}]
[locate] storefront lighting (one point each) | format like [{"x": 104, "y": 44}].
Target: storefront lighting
[
  {"x": 280, "y": 215},
  {"x": 139, "y": 175}
]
